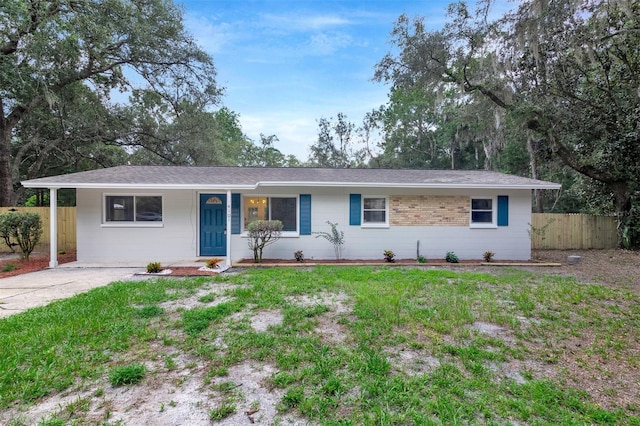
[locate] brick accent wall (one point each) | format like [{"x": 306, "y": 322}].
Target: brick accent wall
[{"x": 424, "y": 210}]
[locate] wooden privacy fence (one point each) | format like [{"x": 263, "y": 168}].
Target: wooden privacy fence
[
  {"x": 573, "y": 231},
  {"x": 66, "y": 226}
]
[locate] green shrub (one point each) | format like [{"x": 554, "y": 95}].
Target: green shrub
[
  {"x": 389, "y": 256},
  {"x": 127, "y": 374},
  {"x": 154, "y": 267},
  {"x": 261, "y": 234},
  {"x": 21, "y": 229},
  {"x": 299, "y": 255},
  {"x": 451, "y": 257},
  {"x": 422, "y": 259}
]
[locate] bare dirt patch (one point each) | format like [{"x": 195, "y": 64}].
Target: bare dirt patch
[
  {"x": 620, "y": 268},
  {"x": 330, "y": 327},
  {"x": 263, "y": 320},
  {"x": 257, "y": 402}
]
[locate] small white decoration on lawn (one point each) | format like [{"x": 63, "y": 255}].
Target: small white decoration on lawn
[
  {"x": 217, "y": 269},
  {"x": 163, "y": 272}
]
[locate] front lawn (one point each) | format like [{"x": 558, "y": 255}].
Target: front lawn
[{"x": 328, "y": 345}]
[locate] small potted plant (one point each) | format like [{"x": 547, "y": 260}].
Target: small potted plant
[
  {"x": 212, "y": 263},
  {"x": 154, "y": 268},
  {"x": 451, "y": 257},
  {"x": 299, "y": 256},
  {"x": 488, "y": 256},
  {"x": 389, "y": 256}
]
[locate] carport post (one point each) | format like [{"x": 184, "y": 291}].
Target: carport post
[
  {"x": 228, "y": 233},
  {"x": 53, "y": 227}
]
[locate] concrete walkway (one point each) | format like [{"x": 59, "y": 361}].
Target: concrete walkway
[{"x": 26, "y": 291}]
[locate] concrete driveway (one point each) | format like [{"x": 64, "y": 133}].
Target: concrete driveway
[{"x": 26, "y": 291}]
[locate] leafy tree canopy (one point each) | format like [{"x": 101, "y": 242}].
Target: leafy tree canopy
[
  {"x": 337, "y": 141},
  {"x": 565, "y": 75},
  {"x": 59, "y": 55}
]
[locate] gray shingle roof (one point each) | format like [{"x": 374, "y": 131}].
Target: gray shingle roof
[{"x": 169, "y": 177}]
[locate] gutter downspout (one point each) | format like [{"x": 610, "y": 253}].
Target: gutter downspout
[
  {"x": 228, "y": 230},
  {"x": 53, "y": 227}
]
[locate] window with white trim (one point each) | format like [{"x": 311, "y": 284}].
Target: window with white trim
[
  {"x": 284, "y": 209},
  {"x": 374, "y": 211},
  {"x": 133, "y": 208},
  {"x": 483, "y": 211}
]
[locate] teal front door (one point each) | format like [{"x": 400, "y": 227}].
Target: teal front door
[{"x": 213, "y": 225}]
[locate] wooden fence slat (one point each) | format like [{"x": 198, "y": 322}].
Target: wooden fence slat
[{"x": 572, "y": 231}]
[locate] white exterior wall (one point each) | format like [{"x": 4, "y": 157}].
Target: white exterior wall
[
  {"x": 177, "y": 238},
  {"x": 507, "y": 242}
]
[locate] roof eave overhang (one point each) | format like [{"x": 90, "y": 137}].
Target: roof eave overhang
[
  {"x": 410, "y": 185},
  {"x": 66, "y": 185},
  {"x": 147, "y": 186}
]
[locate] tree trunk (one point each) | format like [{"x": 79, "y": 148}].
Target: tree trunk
[
  {"x": 622, "y": 200},
  {"x": 533, "y": 163},
  {"x": 6, "y": 178}
]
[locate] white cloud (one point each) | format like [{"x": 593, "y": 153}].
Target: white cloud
[
  {"x": 327, "y": 44},
  {"x": 213, "y": 38},
  {"x": 295, "y": 132},
  {"x": 302, "y": 22}
]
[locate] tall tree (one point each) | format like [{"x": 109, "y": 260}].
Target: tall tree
[
  {"x": 408, "y": 124},
  {"x": 47, "y": 46},
  {"x": 76, "y": 133},
  {"x": 335, "y": 146},
  {"x": 423, "y": 129},
  {"x": 266, "y": 154},
  {"x": 155, "y": 132},
  {"x": 568, "y": 70}
]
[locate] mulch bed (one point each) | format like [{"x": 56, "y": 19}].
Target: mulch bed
[
  {"x": 398, "y": 262},
  {"x": 193, "y": 271},
  {"x": 36, "y": 262}
]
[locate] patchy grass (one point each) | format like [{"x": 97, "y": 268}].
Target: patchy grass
[
  {"x": 127, "y": 374},
  {"x": 343, "y": 345}
]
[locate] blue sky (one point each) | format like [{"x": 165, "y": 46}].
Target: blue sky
[{"x": 286, "y": 64}]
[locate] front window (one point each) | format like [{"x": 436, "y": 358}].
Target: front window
[
  {"x": 481, "y": 211},
  {"x": 283, "y": 209},
  {"x": 374, "y": 211},
  {"x": 133, "y": 208}
]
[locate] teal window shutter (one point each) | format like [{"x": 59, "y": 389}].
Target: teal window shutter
[
  {"x": 503, "y": 210},
  {"x": 355, "y": 209},
  {"x": 305, "y": 214},
  {"x": 235, "y": 214}
]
